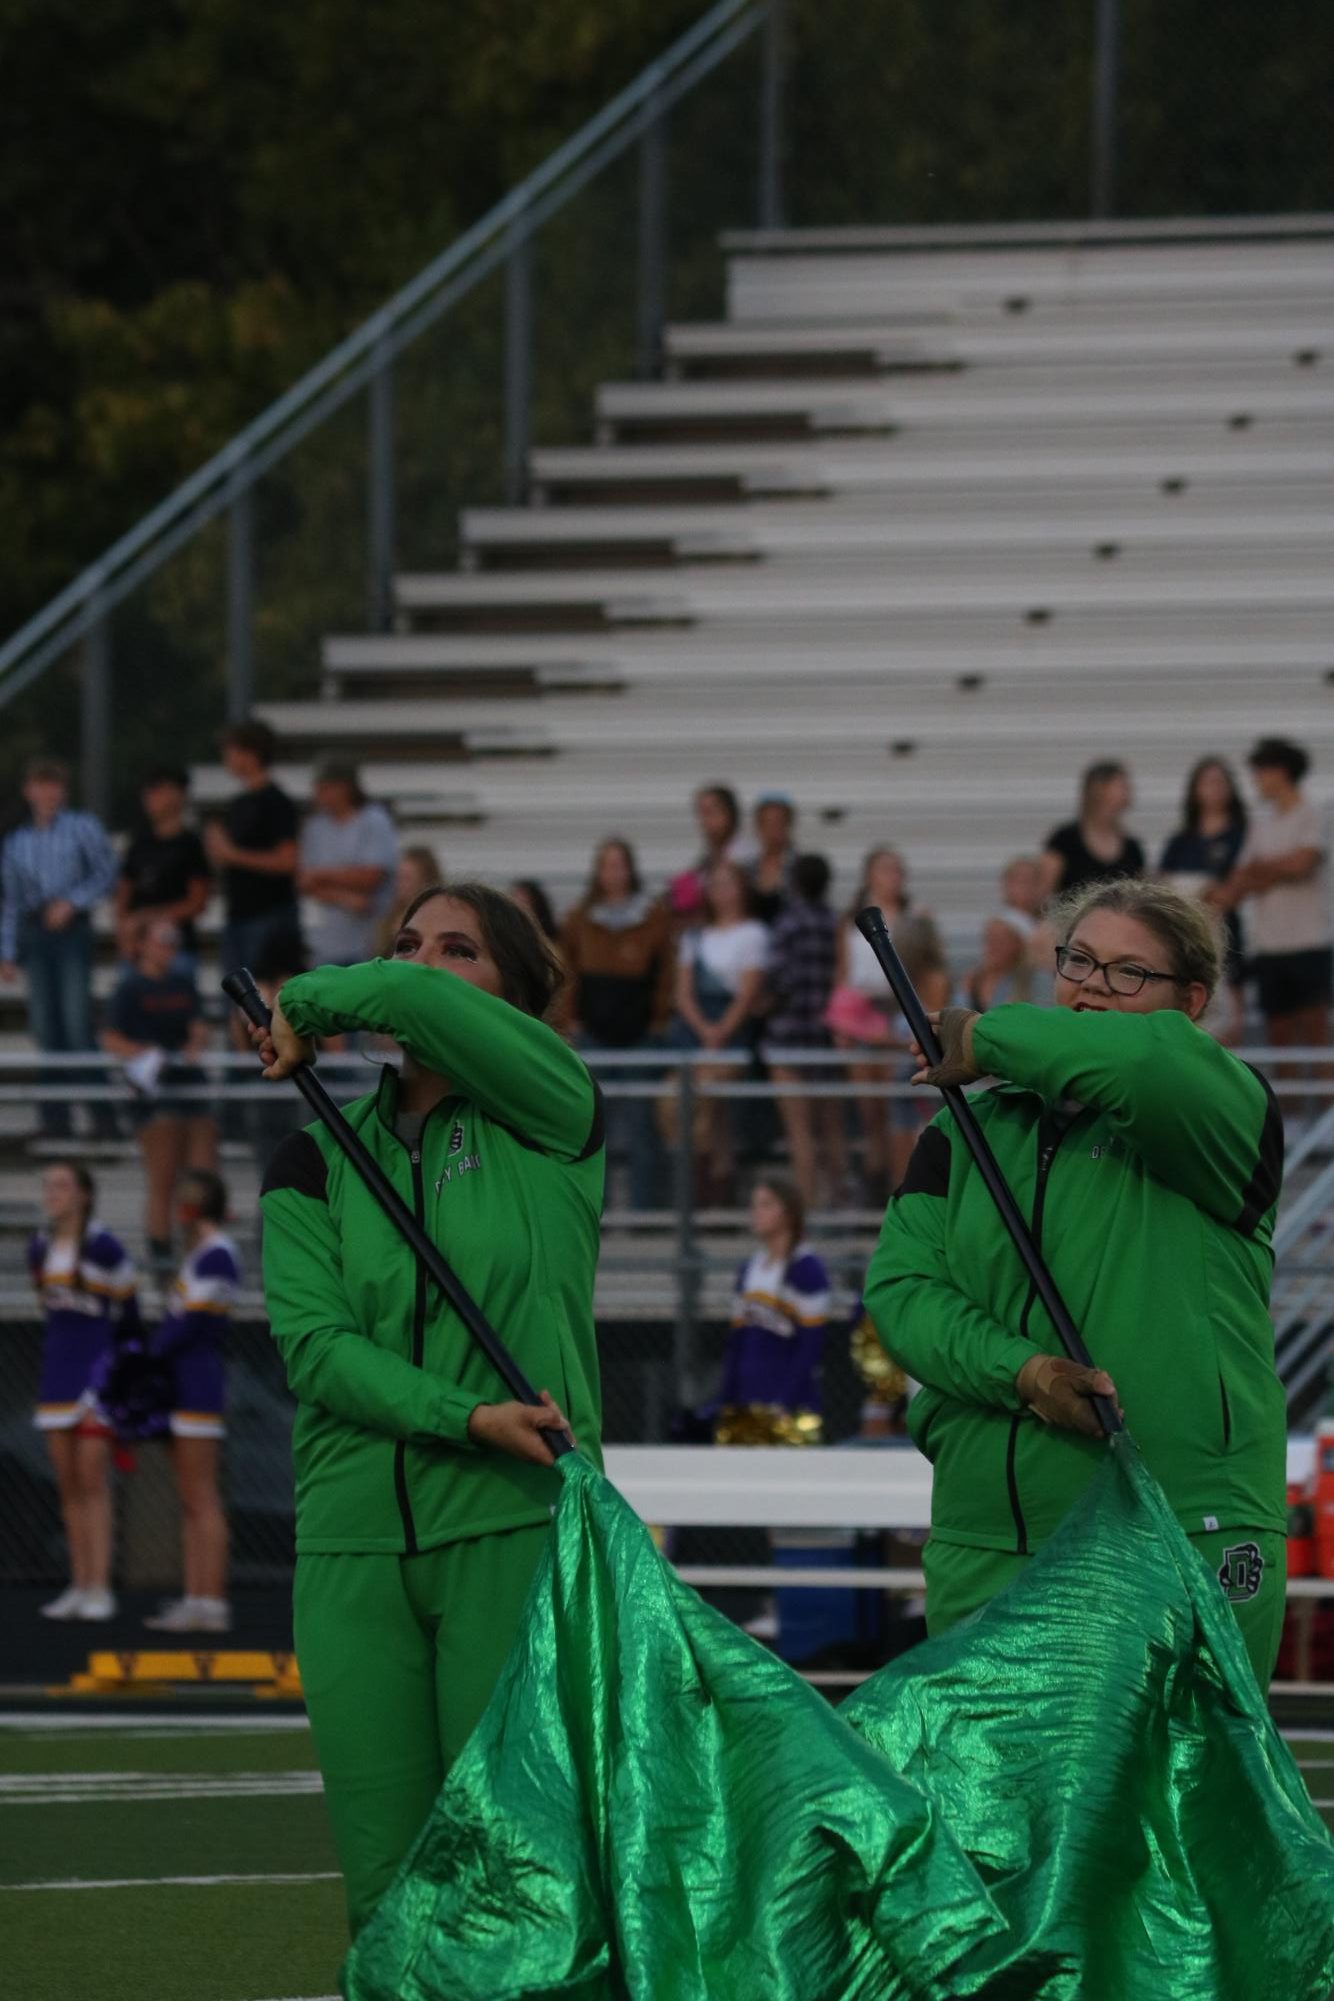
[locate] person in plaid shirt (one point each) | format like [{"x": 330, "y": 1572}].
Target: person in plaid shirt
[{"x": 803, "y": 948}]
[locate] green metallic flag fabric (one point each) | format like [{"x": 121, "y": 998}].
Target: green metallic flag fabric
[{"x": 1076, "y": 1796}]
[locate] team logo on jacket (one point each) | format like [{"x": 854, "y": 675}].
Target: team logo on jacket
[
  {"x": 1241, "y": 1572},
  {"x": 456, "y": 1139}
]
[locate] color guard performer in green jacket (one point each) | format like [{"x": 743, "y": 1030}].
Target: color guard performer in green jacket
[
  {"x": 1148, "y": 1160},
  {"x": 423, "y": 1502}
]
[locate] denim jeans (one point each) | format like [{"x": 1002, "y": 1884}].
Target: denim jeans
[{"x": 59, "y": 966}]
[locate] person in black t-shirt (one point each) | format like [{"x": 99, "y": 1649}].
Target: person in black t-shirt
[
  {"x": 155, "y": 1027},
  {"x": 1096, "y": 846},
  {"x": 255, "y": 846},
  {"x": 165, "y": 872}
]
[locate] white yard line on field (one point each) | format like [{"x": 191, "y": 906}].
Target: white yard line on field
[
  {"x": 94, "y": 1788},
  {"x": 41, "y": 1723},
  {"x": 172, "y": 1882}
]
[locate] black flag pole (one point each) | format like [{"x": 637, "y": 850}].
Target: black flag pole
[
  {"x": 871, "y": 923},
  {"x": 240, "y": 988}
]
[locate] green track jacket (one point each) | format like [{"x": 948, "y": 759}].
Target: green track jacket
[
  {"x": 508, "y": 1181},
  {"x": 1154, "y": 1210}
]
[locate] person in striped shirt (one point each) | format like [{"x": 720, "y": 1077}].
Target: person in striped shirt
[
  {"x": 191, "y": 1340},
  {"x": 53, "y": 869},
  {"x": 86, "y": 1285}
]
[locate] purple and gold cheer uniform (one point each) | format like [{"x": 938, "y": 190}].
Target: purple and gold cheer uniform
[
  {"x": 192, "y": 1334},
  {"x": 776, "y": 1342},
  {"x": 87, "y": 1292}
]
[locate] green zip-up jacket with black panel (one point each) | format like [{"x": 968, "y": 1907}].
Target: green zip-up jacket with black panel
[
  {"x": 1147, "y": 1159},
  {"x": 507, "y": 1180}
]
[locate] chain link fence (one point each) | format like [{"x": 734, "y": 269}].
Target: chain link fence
[{"x": 664, "y": 1288}]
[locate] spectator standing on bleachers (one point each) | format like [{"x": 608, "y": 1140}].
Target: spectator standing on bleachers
[
  {"x": 803, "y": 958},
  {"x": 532, "y": 899},
  {"x": 53, "y": 869},
  {"x": 1282, "y": 875},
  {"x": 1021, "y": 907},
  {"x": 1096, "y": 846},
  {"x": 618, "y": 951},
  {"x": 1001, "y": 974},
  {"x": 719, "y": 985},
  {"x": 165, "y": 871},
  {"x": 718, "y": 818},
  {"x": 418, "y": 869},
  {"x": 775, "y": 823},
  {"x": 85, "y": 1284},
  {"x": 191, "y": 1340},
  {"x": 1202, "y": 854},
  {"x": 156, "y": 1028},
  {"x": 254, "y": 844},
  {"x": 348, "y": 855}
]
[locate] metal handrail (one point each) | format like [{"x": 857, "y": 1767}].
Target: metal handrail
[{"x": 366, "y": 355}]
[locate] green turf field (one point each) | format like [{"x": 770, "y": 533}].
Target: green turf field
[
  {"x": 153, "y": 1859},
  {"x": 165, "y": 1861}
]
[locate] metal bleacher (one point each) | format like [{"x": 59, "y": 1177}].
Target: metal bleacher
[{"x": 930, "y": 520}]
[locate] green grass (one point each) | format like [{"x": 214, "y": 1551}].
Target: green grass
[{"x": 151, "y": 1939}]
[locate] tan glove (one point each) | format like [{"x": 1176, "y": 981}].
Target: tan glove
[
  {"x": 954, "y": 1028},
  {"x": 1059, "y": 1391}
]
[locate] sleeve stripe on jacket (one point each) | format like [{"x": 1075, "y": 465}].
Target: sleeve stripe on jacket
[
  {"x": 928, "y": 1166},
  {"x": 1261, "y": 1190},
  {"x": 296, "y": 1162},
  {"x": 597, "y": 1131}
]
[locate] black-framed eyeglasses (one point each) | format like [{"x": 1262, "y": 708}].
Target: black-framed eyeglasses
[{"x": 1124, "y": 976}]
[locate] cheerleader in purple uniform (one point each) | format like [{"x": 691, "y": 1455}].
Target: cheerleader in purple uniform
[
  {"x": 86, "y": 1284},
  {"x": 771, "y": 1365},
  {"x": 191, "y": 1341}
]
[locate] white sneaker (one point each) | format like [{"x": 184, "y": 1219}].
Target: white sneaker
[
  {"x": 192, "y": 1615},
  {"x": 69, "y": 1605},
  {"x": 96, "y": 1606}
]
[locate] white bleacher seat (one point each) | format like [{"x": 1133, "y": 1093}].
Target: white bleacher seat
[{"x": 1077, "y": 502}]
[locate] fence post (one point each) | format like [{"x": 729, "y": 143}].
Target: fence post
[
  {"x": 772, "y": 76},
  {"x": 381, "y": 509},
  {"x": 687, "y": 1261},
  {"x": 518, "y": 359},
  {"x": 240, "y": 599},
  {"x": 1106, "y": 61},
  {"x": 652, "y": 235},
  {"x": 95, "y": 716}
]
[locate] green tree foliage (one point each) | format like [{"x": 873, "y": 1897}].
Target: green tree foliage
[{"x": 198, "y": 198}]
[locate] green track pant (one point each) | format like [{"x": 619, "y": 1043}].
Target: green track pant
[
  {"x": 399, "y": 1655},
  {"x": 960, "y": 1578}
]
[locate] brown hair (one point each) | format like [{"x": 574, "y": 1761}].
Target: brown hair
[
  {"x": 723, "y": 866},
  {"x": 87, "y": 1187},
  {"x": 918, "y": 943},
  {"x": 1181, "y": 924},
  {"x": 1096, "y": 776},
  {"x": 1190, "y": 805},
  {"x": 593, "y": 892},
  {"x": 869, "y": 860},
  {"x": 48, "y": 770},
  {"x": 530, "y": 973},
  {"x": 253, "y": 736},
  {"x": 788, "y": 1196}
]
